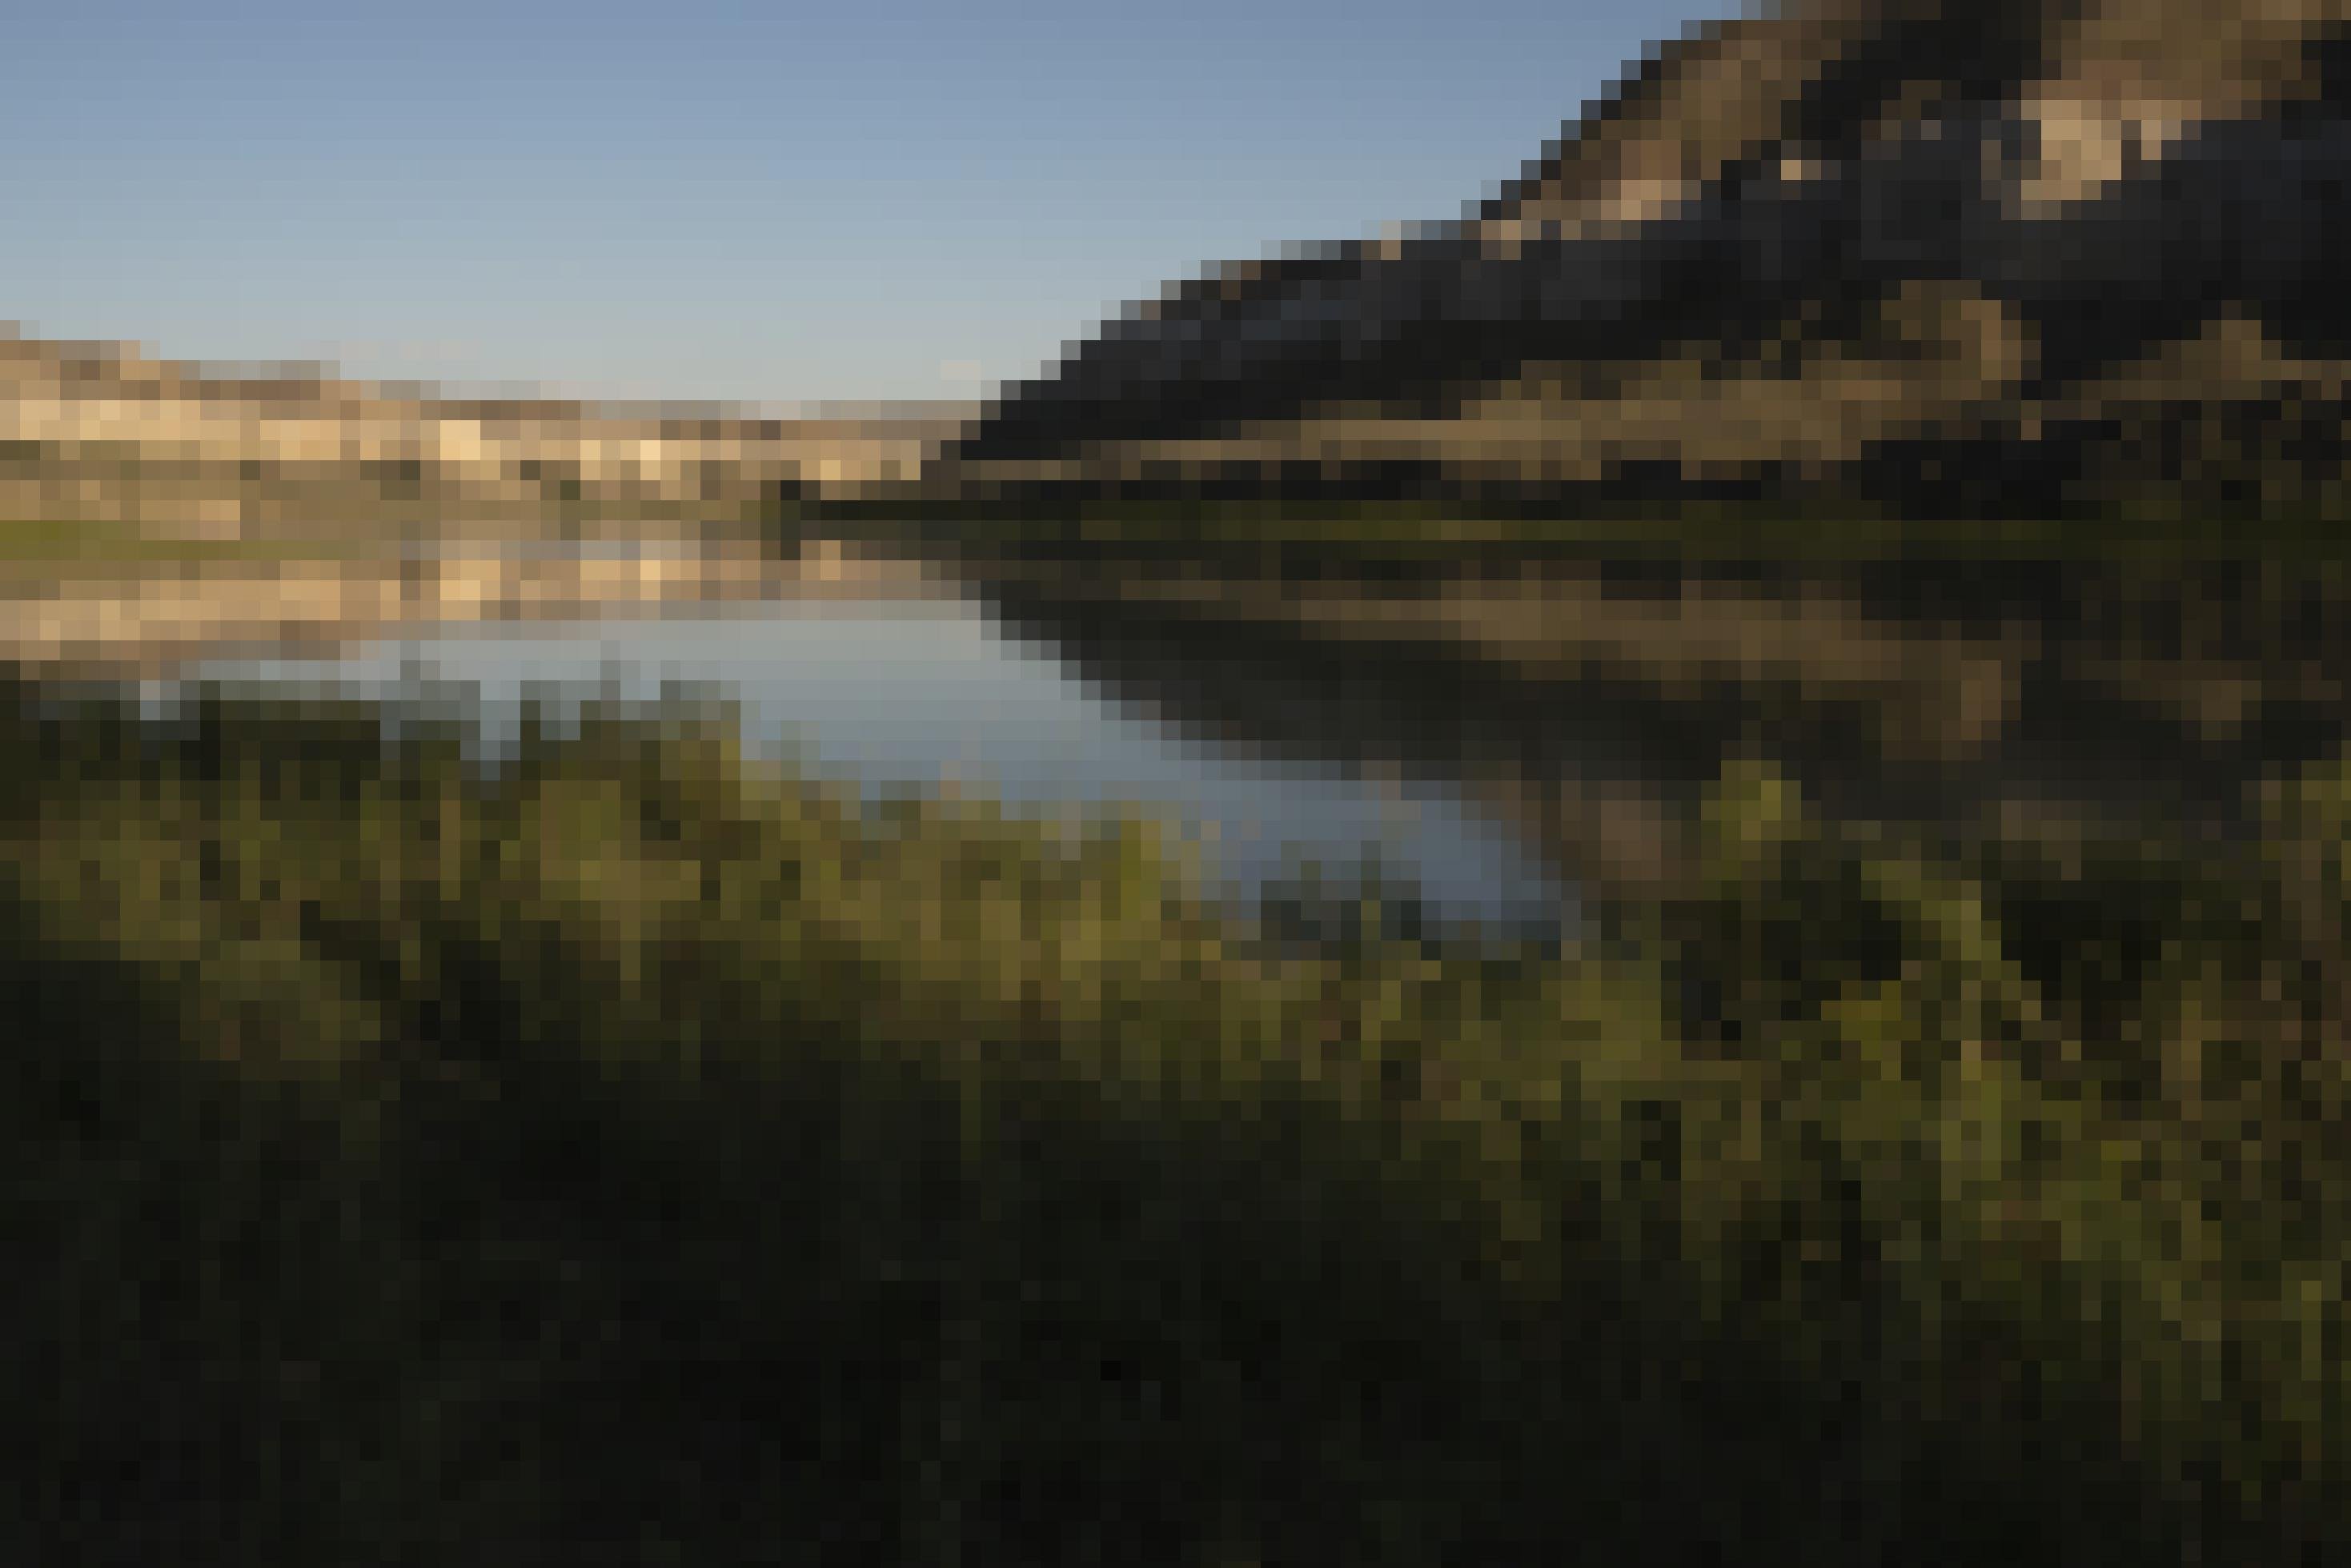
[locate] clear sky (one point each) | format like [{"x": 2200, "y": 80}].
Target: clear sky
[{"x": 766, "y": 204}]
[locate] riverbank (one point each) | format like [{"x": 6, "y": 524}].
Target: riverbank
[
  {"x": 1839, "y": 1176},
  {"x": 678, "y": 1148}
]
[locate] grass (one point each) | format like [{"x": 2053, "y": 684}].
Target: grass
[{"x": 641, "y": 1155}]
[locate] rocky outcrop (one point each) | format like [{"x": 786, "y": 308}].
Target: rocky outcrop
[{"x": 2065, "y": 250}]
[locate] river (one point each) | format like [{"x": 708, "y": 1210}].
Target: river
[{"x": 915, "y": 691}]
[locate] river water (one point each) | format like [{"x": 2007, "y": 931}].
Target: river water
[{"x": 909, "y": 693}]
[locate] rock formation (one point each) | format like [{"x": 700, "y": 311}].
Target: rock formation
[{"x": 2023, "y": 256}]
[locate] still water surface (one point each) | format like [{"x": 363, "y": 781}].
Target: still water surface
[{"x": 904, "y": 693}]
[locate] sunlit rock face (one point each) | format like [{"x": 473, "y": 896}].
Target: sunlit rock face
[
  {"x": 2076, "y": 191},
  {"x": 2080, "y": 150}
]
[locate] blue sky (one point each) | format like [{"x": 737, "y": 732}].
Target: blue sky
[{"x": 761, "y": 203}]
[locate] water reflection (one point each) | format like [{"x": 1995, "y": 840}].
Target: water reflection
[
  {"x": 911, "y": 694},
  {"x": 1495, "y": 777}
]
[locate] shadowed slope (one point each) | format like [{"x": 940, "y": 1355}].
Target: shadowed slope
[{"x": 1801, "y": 253}]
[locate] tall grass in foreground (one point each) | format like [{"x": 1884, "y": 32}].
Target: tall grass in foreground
[{"x": 640, "y": 1155}]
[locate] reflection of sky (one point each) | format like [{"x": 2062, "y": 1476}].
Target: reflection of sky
[{"x": 905, "y": 695}]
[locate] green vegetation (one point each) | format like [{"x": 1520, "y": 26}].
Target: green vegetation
[{"x": 638, "y": 1155}]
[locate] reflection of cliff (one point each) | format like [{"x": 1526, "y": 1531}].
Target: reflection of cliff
[
  {"x": 1979, "y": 256},
  {"x": 1258, "y": 689},
  {"x": 2113, "y": 694}
]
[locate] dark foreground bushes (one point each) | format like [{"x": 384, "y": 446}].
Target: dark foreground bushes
[{"x": 636, "y": 1157}]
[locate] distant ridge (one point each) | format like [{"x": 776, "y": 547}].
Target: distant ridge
[
  {"x": 136, "y": 368},
  {"x": 113, "y": 433}
]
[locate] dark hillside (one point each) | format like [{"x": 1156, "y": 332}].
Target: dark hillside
[{"x": 2084, "y": 256}]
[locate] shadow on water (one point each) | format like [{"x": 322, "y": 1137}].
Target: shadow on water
[{"x": 2121, "y": 693}]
